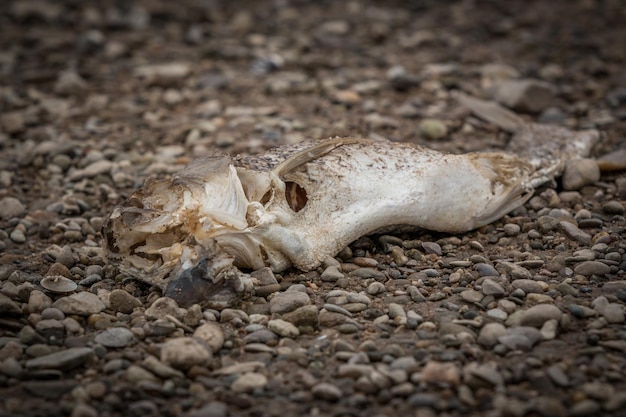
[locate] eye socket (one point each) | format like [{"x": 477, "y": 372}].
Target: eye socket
[{"x": 296, "y": 196}]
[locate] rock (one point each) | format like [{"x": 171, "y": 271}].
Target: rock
[
  {"x": 472, "y": 296},
  {"x": 38, "y": 301},
  {"x": 283, "y": 328},
  {"x": 288, "y": 301},
  {"x": 614, "y": 313},
  {"x": 486, "y": 270},
  {"x": 69, "y": 82},
  {"x": 136, "y": 374},
  {"x": 82, "y": 304},
  {"x": 211, "y": 409},
  {"x": 549, "y": 329},
  {"x": 211, "y": 333},
  {"x": 441, "y": 372},
  {"x": 490, "y": 287},
  {"x": 248, "y": 382},
  {"x": 581, "y": 312},
  {"x": 331, "y": 274},
  {"x": 11, "y": 207},
  {"x": 579, "y": 173},
  {"x": 525, "y": 95},
  {"x": 575, "y": 233},
  {"x": 528, "y": 286},
  {"x": 303, "y": 316},
  {"x": 326, "y": 391},
  {"x": 184, "y": 352},
  {"x": 115, "y": 337},
  {"x": 432, "y": 129},
  {"x": 164, "y": 306},
  {"x": 588, "y": 268},
  {"x": 490, "y": 333},
  {"x": 163, "y": 73},
  {"x": 537, "y": 315},
  {"x": 123, "y": 302},
  {"x": 12, "y": 122},
  {"x": 8, "y": 306},
  {"x": 63, "y": 360}
]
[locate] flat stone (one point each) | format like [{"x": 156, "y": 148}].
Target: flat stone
[
  {"x": 63, "y": 360},
  {"x": 537, "y": 315},
  {"x": 283, "y": 328},
  {"x": 528, "y": 286},
  {"x": 184, "y": 352},
  {"x": 115, "y": 337},
  {"x": 248, "y": 382},
  {"x": 326, "y": 391},
  {"x": 82, "y": 304},
  {"x": 164, "y": 306},
  {"x": 288, "y": 301},
  {"x": 11, "y": 207},
  {"x": 472, "y": 296},
  {"x": 575, "y": 233},
  {"x": 490, "y": 287},
  {"x": 588, "y": 268},
  {"x": 303, "y": 316},
  {"x": 123, "y": 302}
]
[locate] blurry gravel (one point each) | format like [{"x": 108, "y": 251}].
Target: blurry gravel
[{"x": 522, "y": 317}]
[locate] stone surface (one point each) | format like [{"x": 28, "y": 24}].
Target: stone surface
[{"x": 82, "y": 304}]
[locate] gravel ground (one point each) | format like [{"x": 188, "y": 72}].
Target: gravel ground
[{"x": 524, "y": 317}]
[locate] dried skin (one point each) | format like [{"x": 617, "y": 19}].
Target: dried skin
[{"x": 297, "y": 205}]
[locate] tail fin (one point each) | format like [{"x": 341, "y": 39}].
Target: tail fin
[{"x": 545, "y": 147}]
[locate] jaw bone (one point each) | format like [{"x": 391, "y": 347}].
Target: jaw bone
[{"x": 297, "y": 205}]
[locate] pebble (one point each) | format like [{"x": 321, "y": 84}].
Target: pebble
[
  {"x": 433, "y": 129},
  {"x": 184, "y": 352},
  {"x": 115, "y": 337},
  {"x": 528, "y": 286},
  {"x": 303, "y": 316},
  {"x": 63, "y": 360},
  {"x": 490, "y": 287},
  {"x": 472, "y": 296},
  {"x": 11, "y": 207},
  {"x": 38, "y": 301},
  {"x": 441, "y": 372},
  {"x": 123, "y": 302},
  {"x": 163, "y": 307},
  {"x": 575, "y": 233},
  {"x": 614, "y": 313},
  {"x": 249, "y": 382},
  {"x": 486, "y": 270},
  {"x": 490, "y": 333},
  {"x": 549, "y": 329},
  {"x": 331, "y": 274},
  {"x": 537, "y": 315},
  {"x": 326, "y": 391},
  {"x": 376, "y": 288},
  {"x": 82, "y": 304},
  {"x": 432, "y": 248},
  {"x": 524, "y": 95},
  {"x": 588, "y": 268},
  {"x": 283, "y": 328},
  {"x": 580, "y": 172},
  {"x": 288, "y": 301},
  {"x": 211, "y": 334},
  {"x": 585, "y": 408}
]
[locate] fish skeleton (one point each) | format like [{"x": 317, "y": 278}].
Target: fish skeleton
[{"x": 296, "y": 205}]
